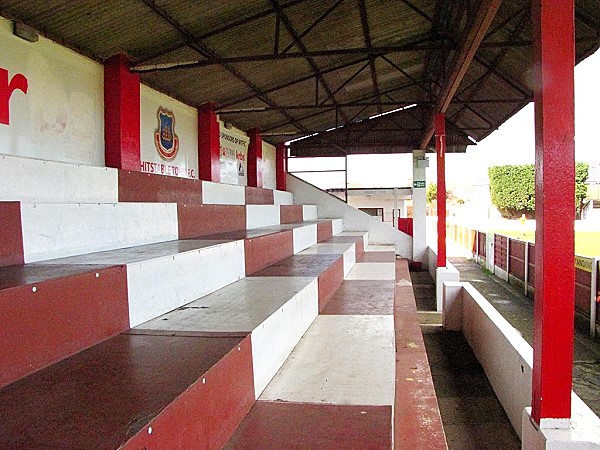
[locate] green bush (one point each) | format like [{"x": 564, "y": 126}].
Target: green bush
[{"x": 512, "y": 189}]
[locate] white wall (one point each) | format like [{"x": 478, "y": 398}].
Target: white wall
[
  {"x": 234, "y": 155},
  {"x": 184, "y": 163},
  {"x": 268, "y": 166},
  {"x": 61, "y": 118},
  {"x": 330, "y": 206}
]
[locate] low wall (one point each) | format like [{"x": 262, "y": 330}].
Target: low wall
[
  {"x": 507, "y": 360},
  {"x": 330, "y": 206},
  {"x": 440, "y": 275}
]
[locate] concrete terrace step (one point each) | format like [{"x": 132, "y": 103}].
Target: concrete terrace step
[
  {"x": 34, "y": 180},
  {"x": 36, "y": 232},
  {"x": 53, "y": 311},
  {"x": 136, "y": 390},
  {"x": 197, "y": 368},
  {"x": 336, "y": 389}
]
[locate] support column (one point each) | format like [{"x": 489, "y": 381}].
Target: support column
[
  {"x": 121, "y": 115},
  {"x": 419, "y": 208},
  {"x": 255, "y": 158},
  {"x": 281, "y": 166},
  {"x": 554, "y": 51},
  {"x": 209, "y": 144},
  {"x": 440, "y": 149}
]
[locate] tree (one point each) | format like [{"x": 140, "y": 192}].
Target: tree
[
  {"x": 431, "y": 194},
  {"x": 512, "y": 189}
]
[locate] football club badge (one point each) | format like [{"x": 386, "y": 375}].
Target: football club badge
[{"x": 165, "y": 139}]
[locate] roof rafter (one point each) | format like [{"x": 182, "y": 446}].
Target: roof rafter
[
  {"x": 201, "y": 48},
  {"x": 364, "y": 20},
  {"x": 473, "y": 38}
]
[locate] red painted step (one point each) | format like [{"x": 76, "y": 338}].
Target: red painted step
[
  {"x": 329, "y": 270},
  {"x": 147, "y": 187},
  {"x": 285, "y": 425},
  {"x": 133, "y": 391},
  {"x": 259, "y": 196},
  {"x": 53, "y": 311}
]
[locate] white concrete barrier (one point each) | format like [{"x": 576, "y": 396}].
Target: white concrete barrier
[
  {"x": 258, "y": 216},
  {"x": 223, "y": 194},
  {"x": 507, "y": 360}
]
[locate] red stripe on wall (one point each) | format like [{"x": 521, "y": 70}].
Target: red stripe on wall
[{"x": 11, "y": 238}]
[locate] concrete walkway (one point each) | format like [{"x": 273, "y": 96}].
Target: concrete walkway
[
  {"x": 518, "y": 311},
  {"x": 472, "y": 416}
]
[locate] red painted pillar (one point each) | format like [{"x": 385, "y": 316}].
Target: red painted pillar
[
  {"x": 440, "y": 148},
  {"x": 209, "y": 144},
  {"x": 281, "y": 166},
  {"x": 554, "y": 50},
  {"x": 255, "y": 158},
  {"x": 121, "y": 115}
]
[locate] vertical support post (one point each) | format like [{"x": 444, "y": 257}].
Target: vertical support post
[
  {"x": 419, "y": 208},
  {"x": 209, "y": 144},
  {"x": 395, "y": 214},
  {"x": 440, "y": 149},
  {"x": 346, "y": 176},
  {"x": 526, "y": 288},
  {"x": 281, "y": 166},
  {"x": 121, "y": 115},
  {"x": 255, "y": 158},
  {"x": 593, "y": 293},
  {"x": 507, "y": 259},
  {"x": 554, "y": 57},
  {"x": 477, "y": 246}
]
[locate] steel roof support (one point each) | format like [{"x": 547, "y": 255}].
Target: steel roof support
[
  {"x": 473, "y": 38},
  {"x": 554, "y": 55}
]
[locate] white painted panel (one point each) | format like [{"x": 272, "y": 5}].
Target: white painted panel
[
  {"x": 35, "y": 180},
  {"x": 184, "y": 161},
  {"x": 309, "y": 212},
  {"x": 57, "y": 230},
  {"x": 222, "y": 194},
  {"x": 337, "y": 226},
  {"x": 343, "y": 360},
  {"x": 304, "y": 237},
  {"x": 234, "y": 155},
  {"x": 261, "y": 216},
  {"x": 163, "y": 284},
  {"x": 349, "y": 260},
  {"x": 269, "y": 174},
  {"x": 61, "y": 117},
  {"x": 373, "y": 271},
  {"x": 283, "y": 197},
  {"x": 274, "y": 340}
]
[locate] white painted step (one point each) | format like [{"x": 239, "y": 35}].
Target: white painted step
[
  {"x": 60, "y": 230},
  {"x": 165, "y": 276},
  {"x": 258, "y": 216},
  {"x": 36, "y": 180},
  {"x": 277, "y": 311},
  {"x": 347, "y": 249},
  {"x": 342, "y": 360},
  {"x": 283, "y": 197}
]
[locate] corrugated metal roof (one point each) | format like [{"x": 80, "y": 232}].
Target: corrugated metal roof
[{"x": 311, "y": 65}]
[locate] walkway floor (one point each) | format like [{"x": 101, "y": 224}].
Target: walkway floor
[
  {"x": 517, "y": 309},
  {"x": 472, "y": 416}
]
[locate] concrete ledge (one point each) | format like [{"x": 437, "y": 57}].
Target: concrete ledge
[{"x": 507, "y": 360}]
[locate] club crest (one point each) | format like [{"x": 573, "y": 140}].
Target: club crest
[{"x": 165, "y": 139}]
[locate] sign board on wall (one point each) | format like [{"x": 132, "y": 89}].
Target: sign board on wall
[
  {"x": 168, "y": 135},
  {"x": 234, "y": 156},
  {"x": 60, "y": 116},
  {"x": 269, "y": 174}
]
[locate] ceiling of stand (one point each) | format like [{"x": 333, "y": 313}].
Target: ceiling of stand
[{"x": 294, "y": 68}]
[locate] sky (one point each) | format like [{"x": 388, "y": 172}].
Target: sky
[{"x": 512, "y": 143}]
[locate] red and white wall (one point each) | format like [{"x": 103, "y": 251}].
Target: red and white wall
[{"x": 52, "y": 108}]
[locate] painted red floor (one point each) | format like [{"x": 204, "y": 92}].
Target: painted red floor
[
  {"x": 294, "y": 426},
  {"x": 103, "y": 396}
]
